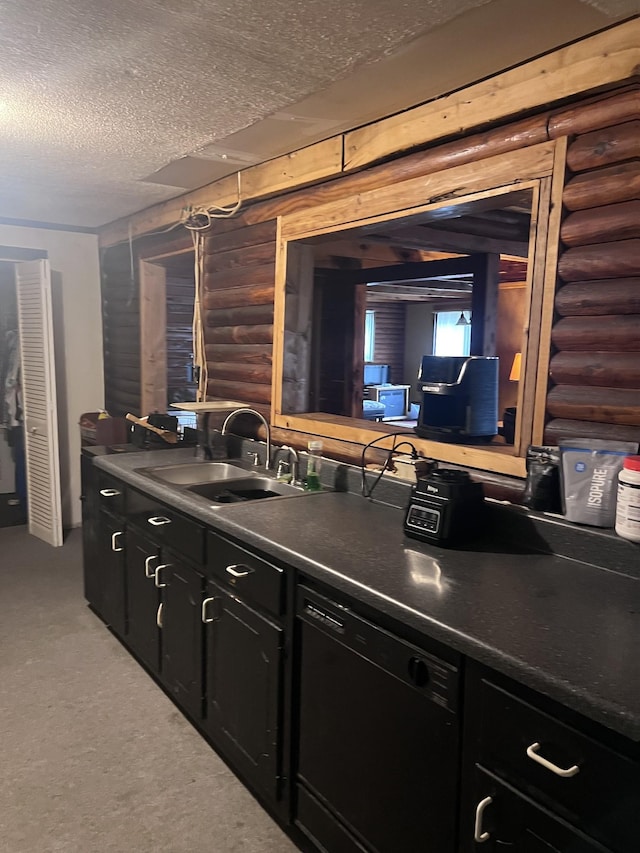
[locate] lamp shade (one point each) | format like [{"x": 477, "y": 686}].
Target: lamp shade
[{"x": 514, "y": 376}]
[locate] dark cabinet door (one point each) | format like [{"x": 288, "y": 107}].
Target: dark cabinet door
[
  {"x": 90, "y": 534},
  {"x": 182, "y": 629},
  {"x": 108, "y": 579},
  {"x": 143, "y": 598},
  {"x": 244, "y": 686},
  {"x": 498, "y": 818}
]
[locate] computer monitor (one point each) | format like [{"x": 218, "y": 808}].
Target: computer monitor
[{"x": 376, "y": 374}]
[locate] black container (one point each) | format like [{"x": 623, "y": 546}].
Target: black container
[{"x": 446, "y": 507}]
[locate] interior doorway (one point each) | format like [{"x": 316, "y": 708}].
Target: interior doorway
[
  {"x": 167, "y": 296},
  {"x": 13, "y": 490}
]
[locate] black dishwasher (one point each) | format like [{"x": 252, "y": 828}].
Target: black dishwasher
[{"x": 378, "y": 737}]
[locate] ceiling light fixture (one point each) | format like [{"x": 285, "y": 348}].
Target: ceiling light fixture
[{"x": 462, "y": 320}]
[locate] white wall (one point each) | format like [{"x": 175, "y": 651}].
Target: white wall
[{"x": 75, "y": 275}]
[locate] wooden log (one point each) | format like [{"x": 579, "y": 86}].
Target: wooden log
[
  {"x": 607, "y": 110},
  {"x": 236, "y": 390},
  {"x": 176, "y": 242},
  {"x": 251, "y": 256},
  {"x": 126, "y": 321},
  {"x": 249, "y": 315},
  {"x": 125, "y": 386},
  {"x": 262, "y": 334},
  {"x": 245, "y": 354},
  {"x": 599, "y": 334},
  {"x": 241, "y": 277},
  {"x": 602, "y": 296},
  {"x": 560, "y": 74},
  {"x": 119, "y": 403},
  {"x": 240, "y": 372},
  {"x": 602, "y": 260},
  {"x": 122, "y": 345},
  {"x": 219, "y": 239},
  {"x": 252, "y": 295},
  {"x": 604, "y": 405},
  {"x": 565, "y": 428},
  {"x": 123, "y": 361},
  {"x": 604, "y": 186},
  {"x": 605, "y": 369},
  {"x": 602, "y": 224},
  {"x": 605, "y": 146}
]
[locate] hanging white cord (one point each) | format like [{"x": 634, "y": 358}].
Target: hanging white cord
[
  {"x": 200, "y": 356},
  {"x": 201, "y": 218}
]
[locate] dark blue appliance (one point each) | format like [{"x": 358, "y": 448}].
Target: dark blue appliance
[{"x": 459, "y": 398}]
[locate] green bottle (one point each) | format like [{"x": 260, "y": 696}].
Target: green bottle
[{"x": 314, "y": 464}]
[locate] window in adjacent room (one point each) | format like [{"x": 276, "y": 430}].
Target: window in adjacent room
[
  {"x": 452, "y": 333},
  {"x": 369, "y": 335}
]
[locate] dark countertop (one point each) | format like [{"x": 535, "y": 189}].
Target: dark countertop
[{"x": 563, "y": 627}]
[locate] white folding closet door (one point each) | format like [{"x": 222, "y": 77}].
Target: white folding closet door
[{"x": 33, "y": 284}]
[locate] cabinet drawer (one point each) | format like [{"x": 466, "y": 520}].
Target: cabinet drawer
[
  {"x": 251, "y": 577},
  {"x": 166, "y": 526},
  {"x": 586, "y": 783},
  {"x": 111, "y": 493}
]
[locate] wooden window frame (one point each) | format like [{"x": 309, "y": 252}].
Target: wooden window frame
[{"x": 539, "y": 167}]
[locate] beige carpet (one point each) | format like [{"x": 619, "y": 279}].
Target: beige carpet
[{"x": 94, "y": 757}]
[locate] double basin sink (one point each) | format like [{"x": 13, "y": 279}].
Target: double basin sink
[{"x": 221, "y": 483}]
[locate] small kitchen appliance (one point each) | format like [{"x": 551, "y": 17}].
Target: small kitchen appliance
[
  {"x": 459, "y": 398},
  {"x": 445, "y": 507}
]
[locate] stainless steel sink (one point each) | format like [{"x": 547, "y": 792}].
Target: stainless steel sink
[
  {"x": 221, "y": 483},
  {"x": 248, "y": 488},
  {"x": 195, "y": 472}
]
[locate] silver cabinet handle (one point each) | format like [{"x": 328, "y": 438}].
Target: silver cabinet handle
[
  {"x": 478, "y": 835},
  {"x": 156, "y": 575},
  {"x": 234, "y": 571},
  {"x": 159, "y": 520},
  {"x": 149, "y": 572},
  {"x": 109, "y": 493},
  {"x": 114, "y": 541},
  {"x": 159, "y": 614},
  {"x": 532, "y": 752},
  {"x": 207, "y": 619}
]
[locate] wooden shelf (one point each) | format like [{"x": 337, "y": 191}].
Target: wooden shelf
[{"x": 209, "y": 406}]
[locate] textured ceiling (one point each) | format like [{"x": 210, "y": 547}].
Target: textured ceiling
[{"x": 106, "y": 108}]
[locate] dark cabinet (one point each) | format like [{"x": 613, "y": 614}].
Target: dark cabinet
[
  {"x": 90, "y": 535},
  {"x": 108, "y": 573},
  {"x": 352, "y": 730},
  {"x": 533, "y": 776},
  {"x": 504, "y": 819},
  {"x": 244, "y": 686},
  {"x": 143, "y": 564},
  {"x": 103, "y": 531},
  {"x": 182, "y": 631},
  {"x": 245, "y": 651}
]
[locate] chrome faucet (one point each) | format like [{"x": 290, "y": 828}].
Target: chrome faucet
[
  {"x": 261, "y": 418},
  {"x": 294, "y": 462}
]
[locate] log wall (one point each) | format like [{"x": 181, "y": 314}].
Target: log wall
[
  {"x": 595, "y": 366},
  {"x": 594, "y": 388},
  {"x": 180, "y": 299},
  {"x": 389, "y": 337},
  {"x": 121, "y": 332},
  {"x": 239, "y": 275}
]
